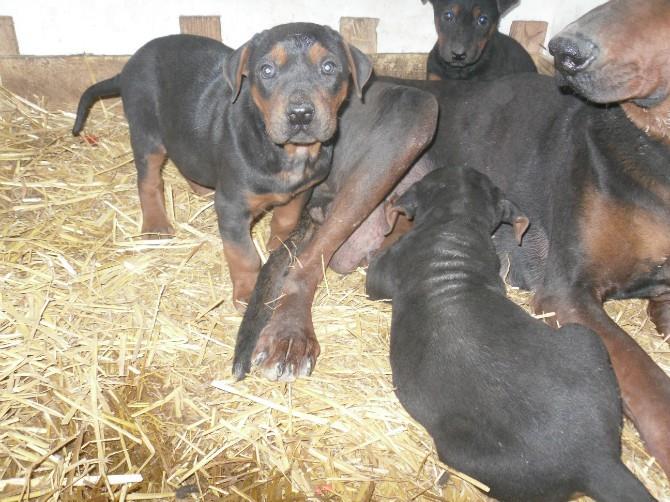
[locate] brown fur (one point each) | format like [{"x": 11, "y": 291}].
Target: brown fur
[
  {"x": 317, "y": 52},
  {"x": 659, "y": 313},
  {"x": 242, "y": 69},
  {"x": 243, "y": 266},
  {"x": 152, "y": 201},
  {"x": 299, "y": 153},
  {"x": 258, "y": 203},
  {"x": 629, "y": 239},
  {"x": 653, "y": 121},
  {"x": 336, "y": 101},
  {"x": 279, "y": 54},
  {"x": 296, "y": 150},
  {"x": 632, "y": 61},
  {"x": 287, "y": 346},
  {"x": 267, "y": 105}
]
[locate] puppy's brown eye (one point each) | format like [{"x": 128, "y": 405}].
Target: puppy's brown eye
[
  {"x": 267, "y": 71},
  {"x": 328, "y": 67}
]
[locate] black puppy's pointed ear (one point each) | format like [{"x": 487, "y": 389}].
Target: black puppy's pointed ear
[
  {"x": 395, "y": 206},
  {"x": 505, "y": 5},
  {"x": 360, "y": 67},
  {"x": 512, "y": 214},
  {"x": 235, "y": 67}
]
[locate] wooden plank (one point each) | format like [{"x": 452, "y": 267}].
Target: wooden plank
[
  {"x": 9, "y": 45},
  {"x": 205, "y": 26},
  {"x": 544, "y": 64},
  {"x": 530, "y": 34},
  {"x": 361, "y": 32},
  {"x": 405, "y": 65},
  {"x": 56, "y": 82}
]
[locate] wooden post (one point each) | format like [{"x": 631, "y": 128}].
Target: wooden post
[
  {"x": 530, "y": 34},
  {"x": 206, "y": 26},
  {"x": 9, "y": 46},
  {"x": 360, "y": 32}
]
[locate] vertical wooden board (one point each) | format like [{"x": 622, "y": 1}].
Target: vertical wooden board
[
  {"x": 530, "y": 34},
  {"x": 361, "y": 32},
  {"x": 206, "y": 26},
  {"x": 9, "y": 46}
]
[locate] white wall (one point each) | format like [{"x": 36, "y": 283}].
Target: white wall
[{"x": 121, "y": 26}]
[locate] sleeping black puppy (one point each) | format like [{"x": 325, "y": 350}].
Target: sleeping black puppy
[
  {"x": 532, "y": 412},
  {"x": 469, "y": 45}
]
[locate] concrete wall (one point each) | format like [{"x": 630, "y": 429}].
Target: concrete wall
[{"x": 49, "y": 27}]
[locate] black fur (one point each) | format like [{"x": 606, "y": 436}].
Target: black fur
[
  {"x": 258, "y": 139},
  {"x": 531, "y": 412},
  {"x": 469, "y": 45}
]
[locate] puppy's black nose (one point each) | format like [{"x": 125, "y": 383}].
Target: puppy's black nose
[
  {"x": 572, "y": 54},
  {"x": 300, "y": 114},
  {"x": 458, "y": 56}
]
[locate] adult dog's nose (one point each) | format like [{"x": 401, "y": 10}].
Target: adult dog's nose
[{"x": 572, "y": 54}]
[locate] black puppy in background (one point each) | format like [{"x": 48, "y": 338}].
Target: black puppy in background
[
  {"x": 532, "y": 412},
  {"x": 469, "y": 45}
]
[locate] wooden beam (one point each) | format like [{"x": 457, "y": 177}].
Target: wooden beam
[
  {"x": 9, "y": 45},
  {"x": 205, "y": 26},
  {"x": 406, "y": 65},
  {"x": 56, "y": 82},
  {"x": 360, "y": 32}
]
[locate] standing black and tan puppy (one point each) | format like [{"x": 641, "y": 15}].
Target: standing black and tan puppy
[
  {"x": 469, "y": 45},
  {"x": 532, "y": 412},
  {"x": 257, "y": 145},
  {"x": 262, "y": 125}
]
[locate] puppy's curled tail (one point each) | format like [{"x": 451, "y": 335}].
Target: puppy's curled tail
[{"x": 106, "y": 88}]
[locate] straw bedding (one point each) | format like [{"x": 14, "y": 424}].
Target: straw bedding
[{"x": 109, "y": 344}]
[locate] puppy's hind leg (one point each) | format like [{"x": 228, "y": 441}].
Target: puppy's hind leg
[{"x": 149, "y": 160}]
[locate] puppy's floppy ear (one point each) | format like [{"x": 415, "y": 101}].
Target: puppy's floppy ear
[
  {"x": 360, "y": 67},
  {"x": 505, "y": 5},
  {"x": 512, "y": 214},
  {"x": 236, "y": 66},
  {"x": 395, "y": 206}
]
